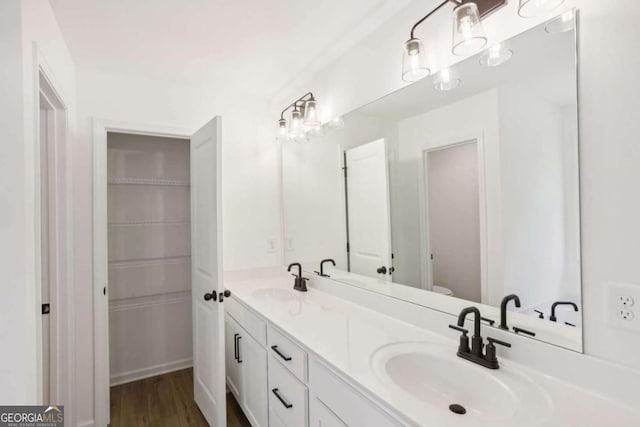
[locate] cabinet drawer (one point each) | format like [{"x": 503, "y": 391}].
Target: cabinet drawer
[
  {"x": 288, "y": 353},
  {"x": 345, "y": 403},
  {"x": 248, "y": 320},
  {"x": 287, "y": 397}
]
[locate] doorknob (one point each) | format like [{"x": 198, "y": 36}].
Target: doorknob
[
  {"x": 382, "y": 270},
  {"x": 211, "y": 296}
]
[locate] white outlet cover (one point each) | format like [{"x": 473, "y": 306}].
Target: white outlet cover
[{"x": 622, "y": 313}]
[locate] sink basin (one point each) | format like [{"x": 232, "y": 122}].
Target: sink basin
[
  {"x": 276, "y": 294},
  {"x": 431, "y": 374}
]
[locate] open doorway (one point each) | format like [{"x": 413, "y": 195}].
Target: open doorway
[
  {"x": 140, "y": 247},
  {"x": 453, "y": 233}
]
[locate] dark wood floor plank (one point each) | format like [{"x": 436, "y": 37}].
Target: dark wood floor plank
[{"x": 164, "y": 400}]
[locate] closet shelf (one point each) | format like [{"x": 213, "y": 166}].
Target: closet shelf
[
  {"x": 144, "y": 181},
  {"x": 147, "y": 222}
]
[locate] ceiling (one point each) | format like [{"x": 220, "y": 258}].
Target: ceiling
[{"x": 256, "y": 45}]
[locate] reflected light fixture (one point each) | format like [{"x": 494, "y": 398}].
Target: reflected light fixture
[
  {"x": 496, "y": 55},
  {"x": 446, "y": 79},
  {"x": 336, "y": 123},
  {"x": 562, "y": 24},
  {"x": 534, "y": 8},
  {"x": 304, "y": 119}
]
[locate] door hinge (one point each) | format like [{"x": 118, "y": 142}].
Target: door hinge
[
  {"x": 348, "y": 247},
  {"x": 46, "y": 308},
  {"x": 344, "y": 169},
  {"x": 431, "y": 256}
]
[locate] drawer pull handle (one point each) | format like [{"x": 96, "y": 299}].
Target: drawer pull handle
[
  {"x": 281, "y": 354},
  {"x": 235, "y": 346},
  {"x": 238, "y": 343},
  {"x": 282, "y": 399}
]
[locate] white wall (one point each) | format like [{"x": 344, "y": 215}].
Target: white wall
[
  {"x": 23, "y": 23},
  {"x": 541, "y": 241},
  {"x": 609, "y": 151}
]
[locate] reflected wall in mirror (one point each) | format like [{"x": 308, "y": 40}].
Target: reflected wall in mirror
[{"x": 470, "y": 193}]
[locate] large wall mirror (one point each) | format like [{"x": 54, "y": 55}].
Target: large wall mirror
[{"x": 459, "y": 189}]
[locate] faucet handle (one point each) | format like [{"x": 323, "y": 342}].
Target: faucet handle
[
  {"x": 495, "y": 341},
  {"x": 463, "y": 346},
  {"x": 459, "y": 329},
  {"x": 491, "y": 322}
]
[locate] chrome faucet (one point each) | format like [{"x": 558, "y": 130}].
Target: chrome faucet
[{"x": 475, "y": 353}]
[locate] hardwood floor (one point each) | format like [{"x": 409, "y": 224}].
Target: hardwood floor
[{"x": 165, "y": 400}]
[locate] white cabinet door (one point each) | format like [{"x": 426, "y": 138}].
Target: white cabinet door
[
  {"x": 254, "y": 377},
  {"x": 369, "y": 210},
  {"x": 321, "y": 416},
  {"x": 234, "y": 380},
  {"x": 206, "y": 252}
]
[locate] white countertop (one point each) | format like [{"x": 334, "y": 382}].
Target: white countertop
[{"x": 346, "y": 336}]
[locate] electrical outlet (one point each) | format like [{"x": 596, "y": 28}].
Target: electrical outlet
[
  {"x": 626, "y": 300},
  {"x": 620, "y": 300},
  {"x": 626, "y": 315}
]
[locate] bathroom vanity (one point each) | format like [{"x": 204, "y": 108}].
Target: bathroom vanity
[{"x": 317, "y": 359}]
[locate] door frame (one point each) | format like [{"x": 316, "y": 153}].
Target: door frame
[
  {"x": 426, "y": 272},
  {"x": 100, "y": 280},
  {"x": 62, "y": 288}
]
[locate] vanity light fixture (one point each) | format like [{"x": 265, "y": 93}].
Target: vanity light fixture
[
  {"x": 496, "y": 55},
  {"x": 304, "y": 120},
  {"x": 468, "y": 34},
  {"x": 562, "y": 24},
  {"x": 446, "y": 79},
  {"x": 533, "y": 8}
]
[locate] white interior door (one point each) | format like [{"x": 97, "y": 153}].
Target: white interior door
[
  {"x": 206, "y": 253},
  {"x": 368, "y": 210}
]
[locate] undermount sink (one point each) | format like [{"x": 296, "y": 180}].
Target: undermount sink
[
  {"x": 276, "y": 294},
  {"x": 431, "y": 374}
]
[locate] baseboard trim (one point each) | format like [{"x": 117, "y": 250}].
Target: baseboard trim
[
  {"x": 89, "y": 423},
  {"x": 151, "y": 371}
]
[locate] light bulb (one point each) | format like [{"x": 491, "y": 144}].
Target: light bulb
[
  {"x": 468, "y": 34},
  {"x": 282, "y": 129},
  {"x": 533, "y": 8},
  {"x": 496, "y": 55},
  {"x": 311, "y": 116},
  {"x": 562, "y": 24},
  {"x": 295, "y": 124},
  {"x": 414, "y": 65},
  {"x": 446, "y": 79}
]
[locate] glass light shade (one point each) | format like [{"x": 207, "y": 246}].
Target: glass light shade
[
  {"x": 311, "y": 116},
  {"x": 414, "y": 61},
  {"x": 446, "y": 79},
  {"x": 295, "y": 124},
  {"x": 533, "y": 8},
  {"x": 282, "y": 129},
  {"x": 468, "y": 34},
  {"x": 496, "y": 55},
  {"x": 562, "y": 24}
]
